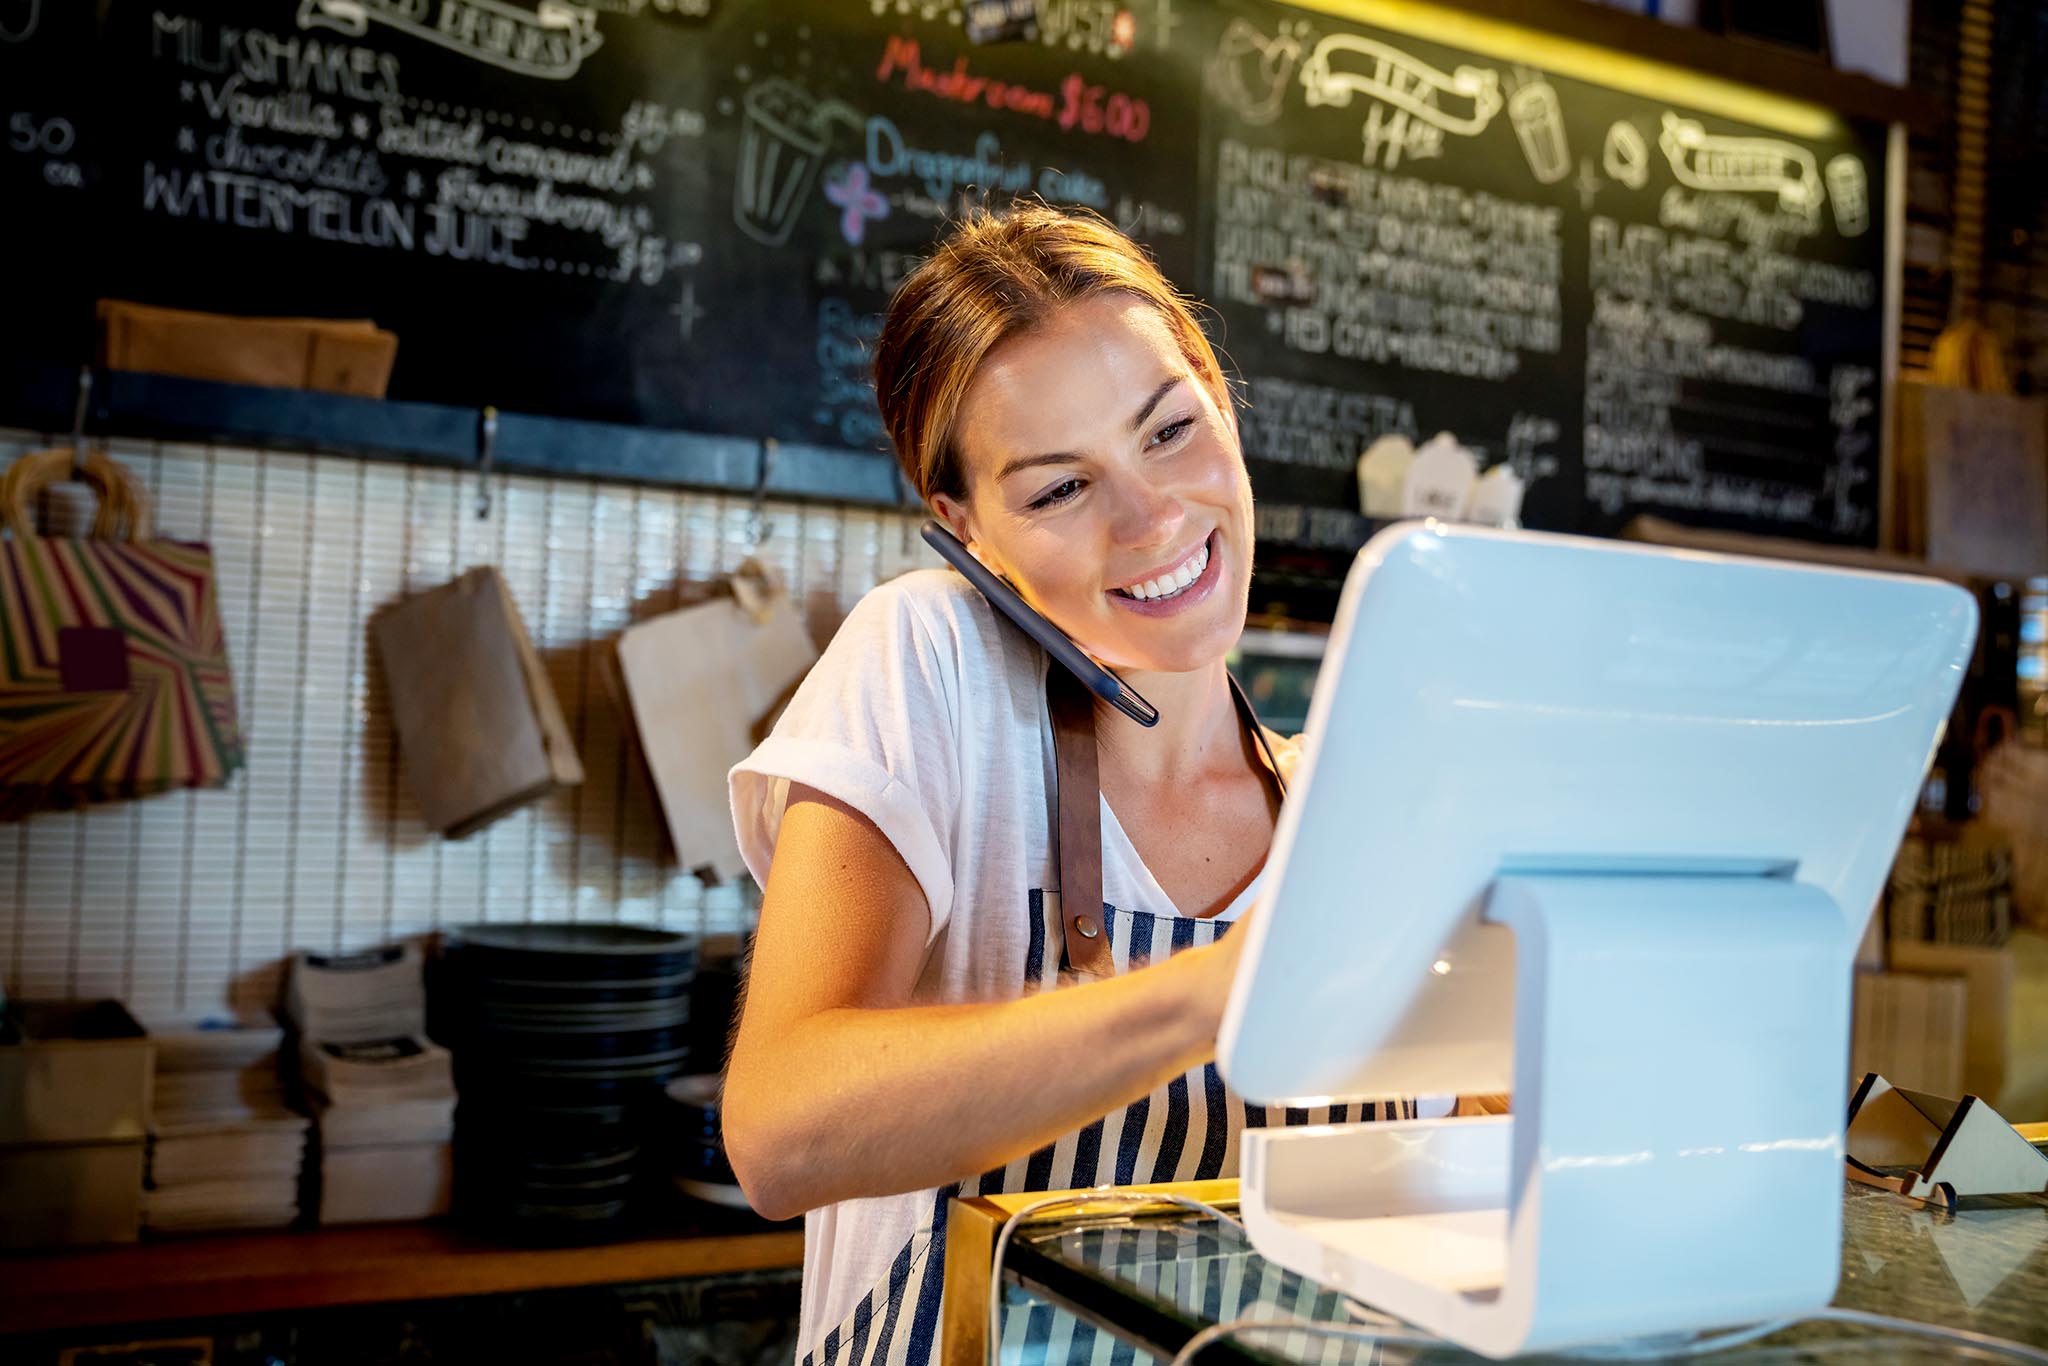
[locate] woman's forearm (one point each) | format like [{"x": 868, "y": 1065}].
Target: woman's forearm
[{"x": 856, "y": 1102}]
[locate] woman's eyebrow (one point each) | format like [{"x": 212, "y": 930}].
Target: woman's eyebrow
[
  {"x": 1026, "y": 462},
  {"x": 1153, "y": 402}
]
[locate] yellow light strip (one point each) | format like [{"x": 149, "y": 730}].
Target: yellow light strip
[{"x": 1589, "y": 62}]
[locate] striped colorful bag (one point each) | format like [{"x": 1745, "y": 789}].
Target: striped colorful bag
[{"x": 113, "y": 670}]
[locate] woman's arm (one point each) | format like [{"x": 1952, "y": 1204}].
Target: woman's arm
[{"x": 838, "y": 1088}]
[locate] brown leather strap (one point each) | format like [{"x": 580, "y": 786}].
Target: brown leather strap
[
  {"x": 1085, "y": 950},
  {"x": 1079, "y": 836}
]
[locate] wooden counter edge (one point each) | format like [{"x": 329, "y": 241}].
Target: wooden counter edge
[
  {"x": 971, "y": 1229},
  {"x": 227, "y": 1274}
]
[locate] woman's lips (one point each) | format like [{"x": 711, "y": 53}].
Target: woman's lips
[{"x": 1194, "y": 594}]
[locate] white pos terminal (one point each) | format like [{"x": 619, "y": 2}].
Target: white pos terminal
[{"x": 1600, "y": 825}]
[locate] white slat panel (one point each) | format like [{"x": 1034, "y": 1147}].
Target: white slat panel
[{"x": 188, "y": 903}]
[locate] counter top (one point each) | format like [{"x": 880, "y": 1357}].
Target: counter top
[
  {"x": 1160, "y": 1279},
  {"x": 217, "y": 1274}
]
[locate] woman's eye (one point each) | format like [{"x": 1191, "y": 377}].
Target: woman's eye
[
  {"x": 1059, "y": 493},
  {"x": 1172, "y": 431}
]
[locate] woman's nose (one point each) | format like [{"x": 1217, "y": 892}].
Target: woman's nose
[{"x": 1146, "y": 515}]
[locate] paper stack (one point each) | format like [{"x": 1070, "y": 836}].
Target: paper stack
[
  {"x": 382, "y": 1094},
  {"x": 377, "y": 994},
  {"x": 225, "y": 1149}
]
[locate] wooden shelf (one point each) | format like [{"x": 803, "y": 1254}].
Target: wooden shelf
[
  {"x": 224, "y": 1274},
  {"x": 164, "y": 407}
]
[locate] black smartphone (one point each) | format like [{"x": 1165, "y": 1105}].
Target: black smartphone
[{"x": 1100, "y": 681}]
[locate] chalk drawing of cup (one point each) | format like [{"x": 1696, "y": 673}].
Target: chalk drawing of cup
[
  {"x": 1539, "y": 124},
  {"x": 782, "y": 143},
  {"x": 1849, "y": 192}
]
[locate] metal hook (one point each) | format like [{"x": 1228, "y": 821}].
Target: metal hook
[
  {"x": 758, "y": 529},
  {"x": 487, "y": 440},
  {"x": 78, "y": 421}
]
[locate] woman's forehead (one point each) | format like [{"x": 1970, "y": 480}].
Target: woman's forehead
[{"x": 1070, "y": 383}]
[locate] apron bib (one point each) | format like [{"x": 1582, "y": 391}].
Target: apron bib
[{"x": 1186, "y": 1130}]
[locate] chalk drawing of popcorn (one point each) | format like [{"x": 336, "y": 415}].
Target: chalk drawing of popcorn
[
  {"x": 1712, "y": 161},
  {"x": 1462, "y": 101}
]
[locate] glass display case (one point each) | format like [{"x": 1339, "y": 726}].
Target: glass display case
[{"x": 1110, "y": 1288}]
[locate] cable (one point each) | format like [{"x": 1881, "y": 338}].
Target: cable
[
  {"x": 1983, "y": 1342},
  {"x": 1644, "y": 1349},
  {"x": 1217, "y": 1332},
  {"x": 1678, "y": 1345},
  {"x": 1099, "y": 1196}
]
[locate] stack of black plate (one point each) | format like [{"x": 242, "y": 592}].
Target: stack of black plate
[{"x": 564, "y": 1037}]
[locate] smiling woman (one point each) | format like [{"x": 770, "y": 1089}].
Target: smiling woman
[{"x": 909, "y": 1033}]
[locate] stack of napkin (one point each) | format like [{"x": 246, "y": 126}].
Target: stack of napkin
[
  {"x": 225, "y": 1149},
  {"x": 382, "y": 1094}
]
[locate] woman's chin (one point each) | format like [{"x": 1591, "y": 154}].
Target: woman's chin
[{"x": 1199, "y": 648}]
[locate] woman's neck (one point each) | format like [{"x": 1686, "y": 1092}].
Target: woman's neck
[{"x": 1198, "y": 728}]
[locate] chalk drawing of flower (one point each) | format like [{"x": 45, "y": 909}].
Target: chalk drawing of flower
[{"x": 848, "y": 187}]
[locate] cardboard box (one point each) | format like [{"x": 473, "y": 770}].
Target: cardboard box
[
  {"x": 1972, "y": 479},
  {"x": 74, "y": 1072},
  {"x": 1909, "y": 1028},
  {"x": 71, "y": 1193},
  {"x": 340, "y": 356},
  {"x": 1987, "y": 1012}
]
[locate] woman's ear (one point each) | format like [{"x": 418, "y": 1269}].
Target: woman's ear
[{"x": 952, "y": 514}]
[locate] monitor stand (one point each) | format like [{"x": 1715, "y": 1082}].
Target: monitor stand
[{"x": 1674, "y": 1160}]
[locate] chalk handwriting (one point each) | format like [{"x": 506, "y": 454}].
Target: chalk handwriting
[
  {"x": 903, "y": 61},
  {"x": 1660, "y": 430},
  {"x": 1293, "y": 422},
  {"x": 1401, "y": 271},
  {"x": 845, "y": 404},
  {"x": 1102, "y": 28},
  {"x": 336, "y": 70},
  {"x": 294, "y": 112},
  {"x": 18, "y": 19},
  {"x": 1078, "y": 105}
]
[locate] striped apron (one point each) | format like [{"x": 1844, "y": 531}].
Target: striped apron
[{"x": 1186, "y": 1130}]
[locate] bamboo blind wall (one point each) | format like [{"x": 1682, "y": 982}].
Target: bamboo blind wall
[
  {"x": 1976, "y": 220},
  {"x": 187, "y": 904}
]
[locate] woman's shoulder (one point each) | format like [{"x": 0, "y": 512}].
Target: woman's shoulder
[{"x": 933, "y": 608}]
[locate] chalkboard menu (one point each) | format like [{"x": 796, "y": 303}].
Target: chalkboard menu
[{"x": 690, "y": 213}]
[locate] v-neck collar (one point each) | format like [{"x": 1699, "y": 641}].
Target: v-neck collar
[{"x": 1129, "y": 852}]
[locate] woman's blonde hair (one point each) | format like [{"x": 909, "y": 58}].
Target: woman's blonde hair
[{"x": 996, "y": 275}]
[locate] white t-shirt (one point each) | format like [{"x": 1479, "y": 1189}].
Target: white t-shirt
[{"x": 927, "y": 714}]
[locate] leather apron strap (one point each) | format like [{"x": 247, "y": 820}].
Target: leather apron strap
[{"x": 1078, "y": 834}]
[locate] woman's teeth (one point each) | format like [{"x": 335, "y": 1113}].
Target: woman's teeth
[{"x": 1174, "y": 584}]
